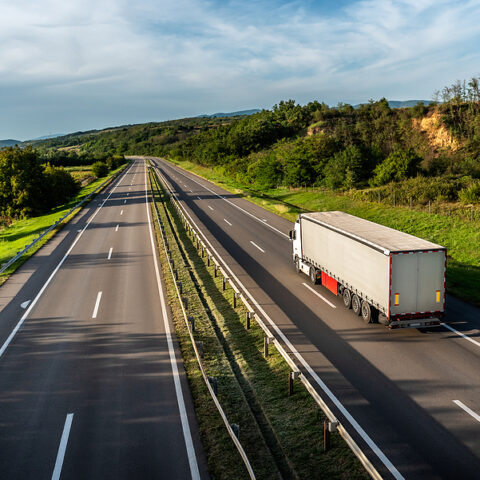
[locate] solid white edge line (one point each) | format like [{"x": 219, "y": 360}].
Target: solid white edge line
[
  {"x": 110, "y": 253},
  {"x": 466, "y": 337},
  {"x": 319, "y": 295},
  {"x": 366, "y": 438},
  {"x": 225, "y": 220},
  {"x": 62, "y": 448},
  {"x": 45, "y": 285},
  {"x": 210, "y": 207},
  {"x": 468, "y": 410},
  {"x": 255, "y": 245},
  {"x": 236, "y": 206},
  {"x": 192, "y": 459},
  {"x": 97, "y": 304}
]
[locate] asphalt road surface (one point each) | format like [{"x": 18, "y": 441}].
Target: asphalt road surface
[
  {"x": 410, "y": 398},
  {"x": 91, "y": 380}
]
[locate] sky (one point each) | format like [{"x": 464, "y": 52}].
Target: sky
[{"x": 74, "y": 65}]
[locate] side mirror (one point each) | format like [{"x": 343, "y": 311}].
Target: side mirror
[{"x": 292, "y": 234}]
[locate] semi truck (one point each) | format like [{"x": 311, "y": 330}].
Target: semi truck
[{"x": 382, "y": 274}]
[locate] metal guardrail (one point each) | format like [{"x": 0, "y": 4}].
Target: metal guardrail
[
  {"x": 269, "y": 336},
  {"x": 60, "y": 220},
  {"x": 232, "y": 434}
]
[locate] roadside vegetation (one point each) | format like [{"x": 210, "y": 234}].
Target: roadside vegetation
[
  {"x": 282, "y": 434},
  {"x": 34, "y": 195}
]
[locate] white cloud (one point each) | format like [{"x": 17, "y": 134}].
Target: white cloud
[{"x": 188, "y": 57}]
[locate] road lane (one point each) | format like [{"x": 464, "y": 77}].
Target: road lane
[
  {"x": 398, "y": 385},
  {"x": 111, "y": 368}
]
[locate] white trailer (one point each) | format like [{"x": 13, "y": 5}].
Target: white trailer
[{"x": 382, "y": 274}]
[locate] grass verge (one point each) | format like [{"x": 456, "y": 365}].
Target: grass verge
[
  {"x": 282, "y": 434},
  {"x": 460, "y": 235},
  {"x": 22, "y": 232}
]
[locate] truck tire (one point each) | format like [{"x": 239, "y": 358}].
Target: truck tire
[
  {"x": 313, "y": 275},
  {"x": 347, "y": 298},
  {"x": 366, "y": 312},
  {"x": 356, "y": 305}
]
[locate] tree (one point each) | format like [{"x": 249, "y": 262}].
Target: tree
[
  {"x": 99, "y": 169},
  {"x": 21, "y": 183},
  {"x": 397, "y": 166},
  {"x": 59, "y": 186}
]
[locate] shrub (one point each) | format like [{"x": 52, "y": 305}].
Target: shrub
[
  {"x": 397, "y": 166},
  {"x": 60, "y": 186},
  {"x": 470, "y": 194},
  {"x": 99, "y": 169}
]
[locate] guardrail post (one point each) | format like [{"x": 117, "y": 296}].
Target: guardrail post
[
  {"x": 236, "y": 429},
  {"x": 185, "y": 302},
  {"x": 180, "y": 287},
  {"x": 235, "y": 296},
  {"x": 192, "y": 323},
  {"x": 265, "y": 346},
  {"x": 172, "y": 262},
  {"x": 175, "y": 273},
  {"x": 248, "y": 317},
  {"x": 215, "y": 271},
  {"x": 291, "y": 377},
  {"x": 203, "y": 252},
  {"x": 213, "y": 381},
  {"x": 326, "y": 436},
  {"x": 224, "y": 283},
  {"x": 199, "y": 348},
  {"x": 208, "y": 260}
]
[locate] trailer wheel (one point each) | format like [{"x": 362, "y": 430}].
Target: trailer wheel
[
  {"x": 356, "y": 305},
  {"x": 347, "y": 298},
  {"x": 366, "y": 312},
  {"x": 297, "y": 265},
  {"x": 313, "y": 275}
]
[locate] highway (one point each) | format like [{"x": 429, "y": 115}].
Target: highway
[
  {"x": 410, "y": 398},
  {"x": 92, "y": 384}
]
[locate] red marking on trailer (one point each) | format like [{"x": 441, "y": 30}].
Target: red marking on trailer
[{"x": 329, "y": 283}]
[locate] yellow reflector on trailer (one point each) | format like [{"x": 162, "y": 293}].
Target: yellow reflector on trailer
[
  {"x": 397, "y": 299},
  {"x": 438, "y": 296}
]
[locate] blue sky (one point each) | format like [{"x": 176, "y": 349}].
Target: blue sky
[{"x": 69, "y": 65}]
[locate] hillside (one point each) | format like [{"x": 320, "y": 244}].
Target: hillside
[
  {"x": 9, "y": 143},
  {"x": 432, "y": 150}
]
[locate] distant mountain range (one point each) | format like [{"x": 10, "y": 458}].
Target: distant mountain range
[
  {"x": 46, "y": 137},
  {"x": 400, "y": 103},
  {"x": 9, "y": 143},
  {"x": 231, "y": 114}
]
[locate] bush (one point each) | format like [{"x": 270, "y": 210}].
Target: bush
[
  {"x": 418, "y": 190},
  {"x": 399, "y": 165},
  {"x": 60, "y": 186},
  {"x": 470, "y": 194},
  {"x": 99, "y": 169}
]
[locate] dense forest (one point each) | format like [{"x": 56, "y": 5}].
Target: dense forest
[{"x": 428, "y": 152}]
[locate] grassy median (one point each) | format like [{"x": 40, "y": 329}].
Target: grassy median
[{"x": 282, "y": 435}]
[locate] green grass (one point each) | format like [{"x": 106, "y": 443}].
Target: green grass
[
  {"x": 282, "y": 435},
  {"x": 22, "y": 232},
  {"x": 459, "y": 234},
  {"x": 80, "y": 173}
]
